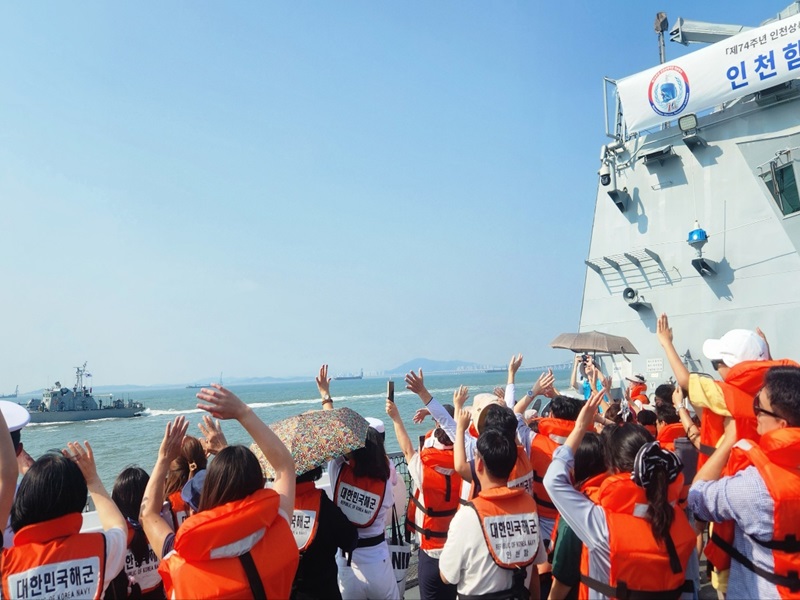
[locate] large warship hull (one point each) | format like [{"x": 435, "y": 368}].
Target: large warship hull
[
  {"x": 84, "y": 415},
  {"x": 719, "y": 174}
]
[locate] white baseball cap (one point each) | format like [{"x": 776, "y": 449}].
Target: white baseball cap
[
  {"x": 738, "y": 345},
  {"x": 16, "y": 416},
  {"x": 376, "y": 424}
]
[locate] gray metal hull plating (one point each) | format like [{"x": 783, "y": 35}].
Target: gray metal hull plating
[
  {"x": 753, "y": 245},
  {"x": 84, "y": 415}
]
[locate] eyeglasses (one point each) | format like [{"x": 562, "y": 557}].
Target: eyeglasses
[
  {"x": 758, "y": 410},
  {"x": 716, "y": 364}
]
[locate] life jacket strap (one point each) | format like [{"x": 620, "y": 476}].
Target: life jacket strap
[
  {"x": 790, "y": 544},
  {"x": 517, "y": 591},
  {"x": 674, "y": 559},
  {"x": 706, "y": 449},
  {"x": 623, "y": 592},
  {"x": 791, "y": 580},
  {"x": 253, "y": 578},
  {"x": 429, "y": 533},
  {"x": 543, "y": 503},
  {"x": 433, "y": 513}
]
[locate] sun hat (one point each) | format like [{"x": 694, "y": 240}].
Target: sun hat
[
  {"x": 193, "y": 488},
  {"x": 637, "y": 379},
  {"x": 738, "y": 345}
]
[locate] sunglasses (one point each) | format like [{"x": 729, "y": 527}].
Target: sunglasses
[
  {"x": 716, "y": 364},
  {"x": 758, "y": 410}
]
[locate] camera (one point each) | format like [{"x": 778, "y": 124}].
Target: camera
[{"x": 605, "y": 174}]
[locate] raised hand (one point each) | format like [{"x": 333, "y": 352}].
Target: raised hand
[
  {"x": 664, "y": 331},
  {"x": 392, "y": 411},
  {"x": 213, "y": 439},
  {"x": 460, "y": 396},
  {"x": 677, "y": 397},
  {"x": 415, "y": 382},
  {"x": 588, "y": 411},
  {"x": 420, "y": 415},
  {"x": 462, "y": 418},
  {"x": 171, "y": 444},
  {"x": 607, "y": 383},
  {"x": 84, "y": 458},
  {"x": 513, "y": 366},
  {"x": 545, "y": 381},
  {"x": 499, "y": 392},
  {"x": 221, "y": 403},
  {"x": 323, "y": 382}
]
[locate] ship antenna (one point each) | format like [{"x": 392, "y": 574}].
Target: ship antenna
[{"x": 661, "y": 25}]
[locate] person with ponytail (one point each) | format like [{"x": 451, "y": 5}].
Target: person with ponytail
[
  {"x": 637, "y": 543},
  {"x": 191, "y": 460}
]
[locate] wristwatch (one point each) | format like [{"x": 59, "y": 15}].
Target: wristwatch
[
  {"x": 530, "y": 393},
  {"x": 326, "y": 398}
]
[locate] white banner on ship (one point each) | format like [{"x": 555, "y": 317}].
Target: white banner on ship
[{"x": 743, "y": 64}]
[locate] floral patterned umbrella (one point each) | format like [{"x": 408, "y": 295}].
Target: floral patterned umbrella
[{"x": 317, "y": 436}]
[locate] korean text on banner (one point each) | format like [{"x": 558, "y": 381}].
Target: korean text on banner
[{"x": 748, "y": 62}]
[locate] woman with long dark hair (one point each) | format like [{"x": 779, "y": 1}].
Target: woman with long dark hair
[
  {"x": 141, "y": 565},
  {"x": 362, "y": 490},
  {"x": 636, "y": 540},
  {"x": 50, "y": 554},
  {"x": 239, "y": 544}
]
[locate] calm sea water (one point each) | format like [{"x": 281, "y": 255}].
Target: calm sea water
[{"x": 118, "y": 443}]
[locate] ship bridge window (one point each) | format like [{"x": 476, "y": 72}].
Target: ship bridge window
[{"x": 781, "y": 181}]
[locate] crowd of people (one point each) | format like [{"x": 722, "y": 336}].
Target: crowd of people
[{"x": 592, "y": 494}]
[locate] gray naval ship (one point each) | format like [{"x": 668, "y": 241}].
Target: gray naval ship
[
  {"x": 60, "y": 404},
  {"x": 697, "y": 211}
]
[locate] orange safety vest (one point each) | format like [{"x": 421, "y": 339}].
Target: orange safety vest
[
  {"x": 777, "y": 458},
  {"x": 510, "y": 527},
  {"x": 178, "y": 508},
  {"x": 360, "y": 498},
  {"x": 521, "y": 475},
  {"x": 741, "y": 385},
  {"x": 145, "y": 573},
  {"x": 226, "y": 551},
  {"x": 670, "y": 433},
  {"x": 638, "y": 393},
  {"x": 305, "y": 518},
  {"x": 638, "y": 562},
  {"x": 440, "y": 499},
  {"x": 589, "y": 488},
  {"x": 552, "y": 434},
  {"x": 53, "y": 559}
]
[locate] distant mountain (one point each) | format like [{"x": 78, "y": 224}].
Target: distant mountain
[{"x": 431, "y": 366}]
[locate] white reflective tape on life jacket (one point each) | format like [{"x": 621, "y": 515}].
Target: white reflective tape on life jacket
[
  {"x": 359, "y": 506},
  {"x": 558, "y": 439},
  {"x": 77, "y": 578},
  {"x": 303, "y": 526},
  {"x": 238, "y": 547},
  {"x": 514, "y": 538},
  {"x": 146, "y": 574},
  {"x": 525, "y": 482}
]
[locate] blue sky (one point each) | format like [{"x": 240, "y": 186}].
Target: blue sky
[{"x": 256, "y": 188}]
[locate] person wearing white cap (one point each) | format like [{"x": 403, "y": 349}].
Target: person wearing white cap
[
  {"x": 8, "y": 469},
  {"x": 16, "y": 417}
]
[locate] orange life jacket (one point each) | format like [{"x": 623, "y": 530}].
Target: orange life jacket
[
  {"x": 552, "y": 434},
  {"x": 638, "y": 393},
  {"x": 670, "y": 433},
  {"x": 741, "y": 384},
  {"x": 511, "y": 530},
  {"x": 212, "y": 547},
  {"x": 440, "y": 498},
  {"x": 53, "y": 559},
  {"x": 777, "y": 458},
  {"x": 521, "y": 475},
  {"x": 360, "y": 498},
  {"x": 179, "y": 509},
  {"x": 146, "y": 572},
  {"x": 590, "y": 488},
  {"x": 305, "y": 518},
  {"x": 638, "y": 562}
]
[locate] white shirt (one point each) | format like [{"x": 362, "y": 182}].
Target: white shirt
[
  {"x": 381, "y": 551},
  {"x": 467, "y": 562}
]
